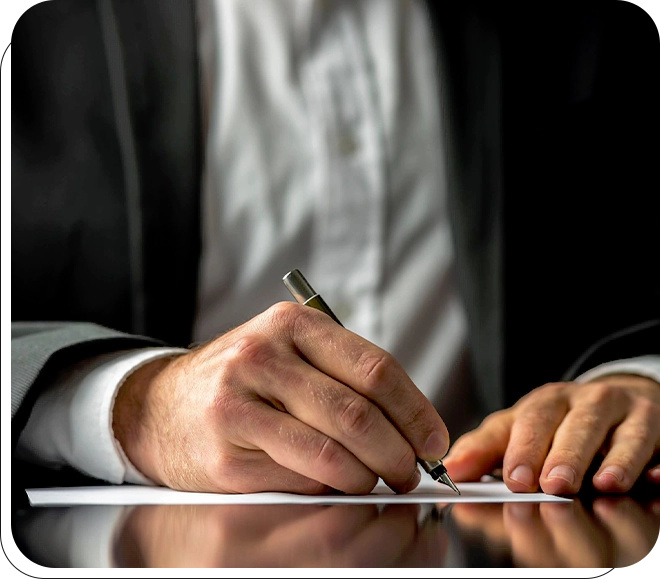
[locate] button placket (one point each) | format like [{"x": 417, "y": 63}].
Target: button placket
[{"x": 348, "y": 236}]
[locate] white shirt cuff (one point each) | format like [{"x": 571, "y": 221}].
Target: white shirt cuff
[
  {"x": 647, "y": 366},
  {"x": 71, "y": 422}
]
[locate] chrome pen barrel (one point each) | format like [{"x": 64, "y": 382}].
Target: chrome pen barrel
[
  {"x": 299, "y": 287},
  {"x": 304, "y": 293}
]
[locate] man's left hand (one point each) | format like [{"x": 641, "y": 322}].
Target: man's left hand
[{"x": 551, "y": 436}]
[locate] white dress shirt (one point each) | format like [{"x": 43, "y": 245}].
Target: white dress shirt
[{"x": 323, "y": 153}]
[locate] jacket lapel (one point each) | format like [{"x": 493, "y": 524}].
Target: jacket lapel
[{"x": 158, "y": 40}]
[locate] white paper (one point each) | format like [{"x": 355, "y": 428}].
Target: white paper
[{"x": 428, "y": 491}]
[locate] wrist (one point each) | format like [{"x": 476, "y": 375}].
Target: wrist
[{"x": 133, "y": 414}]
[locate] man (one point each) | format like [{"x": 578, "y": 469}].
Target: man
[{"x": 106, "y": 201}]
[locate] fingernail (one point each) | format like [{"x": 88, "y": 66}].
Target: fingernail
[
  {"x": 613, "y": 471},
  {"x": 435, "y": 445},
  {"x": 522, "y": 474},
  {"x": 563, "y": 472}
]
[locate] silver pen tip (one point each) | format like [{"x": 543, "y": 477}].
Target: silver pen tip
[{"x": 450, "y": 483}]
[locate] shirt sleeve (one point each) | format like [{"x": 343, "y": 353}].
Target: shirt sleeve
[
  {"x": 71, "y": 422},
  {"x": 647, "y": 366}
]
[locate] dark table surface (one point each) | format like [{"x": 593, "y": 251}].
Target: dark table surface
[{"x": 592, "y": 531}]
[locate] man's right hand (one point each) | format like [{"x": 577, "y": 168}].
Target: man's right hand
[{"x": 289, "y": 401}]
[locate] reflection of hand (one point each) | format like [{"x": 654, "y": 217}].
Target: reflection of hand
[
  {"x": 619, "y": 533},
  {"x": 551, "y": 436},
  {"x": 289, "y": 401},
  {"x": 276, "y": 536}
]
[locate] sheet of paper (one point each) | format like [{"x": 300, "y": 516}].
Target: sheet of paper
[{"x": 428, "y": 491}]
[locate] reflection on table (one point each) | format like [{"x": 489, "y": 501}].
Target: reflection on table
[{"x": 602, "y": 532}]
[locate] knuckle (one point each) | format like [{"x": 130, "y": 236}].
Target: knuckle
[
  {"x": 601, "y": 392},
  {"x": 221, "y": 407},
  {"x": 284, "y": 316},
  {"x": 495, "y": 419},
  {"x": 415, "y": 418},
  {"x": 282, "y": 310},
  {"x": 374, "y": 370},
  {"x": 649, "y": 409},
  {"x": 548, "y": 391},
  {"x": 357, "y": 418},
  {"x": 250, "y": 350},
  {"x": 327, "y": 451},
  {"x": 551, "y": 391},
  {"x": 551, "y": 387},
  {"x": 587, "y": 421},
  {"x": 226, "y": 406},
  {"x": 639, "y": 434},
  {"x": 527, "y": 436},
  {"x": 224, "y": 465},
  {"x": 330, "y": 456},
  {"x": 405, "y": 464}
]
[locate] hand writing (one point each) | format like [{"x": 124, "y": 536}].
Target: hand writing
[{"x": 289, "y": 401}]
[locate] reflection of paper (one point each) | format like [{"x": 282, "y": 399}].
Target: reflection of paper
[{"x": 428, "y": 491}]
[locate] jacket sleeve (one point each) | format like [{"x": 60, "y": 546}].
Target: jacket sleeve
[
  {"x": 40, "y": 349},
  {"x": 634, "y": 341}
]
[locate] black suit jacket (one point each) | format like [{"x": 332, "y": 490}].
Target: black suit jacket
[{"x": 552, "y": 127}]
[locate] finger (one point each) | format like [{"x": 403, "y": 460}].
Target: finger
[
  {"x": 345, "y": 416},
  {"x": 304, "y": 450},
  {"x": 254, "y": 471},
  {"x": 633, "y": 444},
  {"x": 579, "y": 437},
  {"x": 478, "y": 452},
  {"x": 653, "y": 475},
  {"x": 368, "y": 370},
  {"x": 531, "y": 436}
]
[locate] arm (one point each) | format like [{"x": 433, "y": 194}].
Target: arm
[
  {"x": 40, "y": 347},
  {"x": 71, "y": 422},
  {"x": 40, "y": 350}
]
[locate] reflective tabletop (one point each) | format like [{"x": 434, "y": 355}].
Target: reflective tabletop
[{"x": 601, "y": 531}]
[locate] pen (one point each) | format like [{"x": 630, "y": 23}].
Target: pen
[{"x": 304, "y": 294}]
